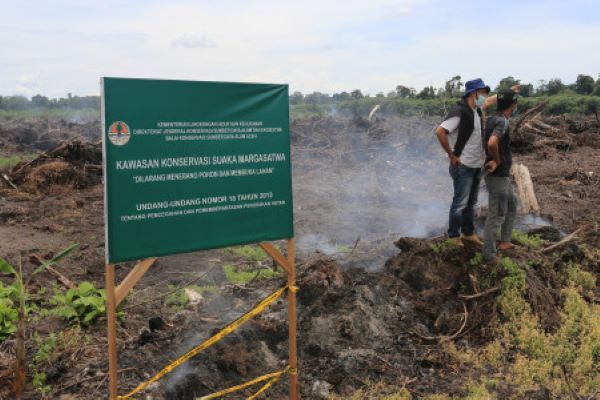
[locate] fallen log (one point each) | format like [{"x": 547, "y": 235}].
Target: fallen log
[{"x": 567, "y": 239}]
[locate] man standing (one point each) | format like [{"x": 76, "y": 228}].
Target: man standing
[
  {"x": 502, "y": 202},
  {"x": 460, "y": 135}
]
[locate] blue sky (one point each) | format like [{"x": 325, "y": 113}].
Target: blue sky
[{"x": 57, "y": 47}]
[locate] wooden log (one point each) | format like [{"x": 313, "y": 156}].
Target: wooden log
[
  {"x": 524, "y": 187},
  {"x": 567, "y": 239}
]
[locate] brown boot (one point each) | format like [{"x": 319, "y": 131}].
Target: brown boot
[
  {"x": 457, "y": 241},
  {"x": 472, "y": 238},
  {"x": 505, "y": 246}
]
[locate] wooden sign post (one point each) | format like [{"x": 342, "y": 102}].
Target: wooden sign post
[
  {"x": 179, "y": 155},
  {"x": 116, "y": 294}
]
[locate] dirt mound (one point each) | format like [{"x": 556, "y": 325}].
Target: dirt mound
[
  {"x": 395, "y": 324},
  {"x": 71, "y": 165},
  {"x": 28, "y": 135}
]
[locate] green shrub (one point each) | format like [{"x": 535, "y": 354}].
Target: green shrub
[
  {"x": 251, "y": 253},
  {"x": 531, "y": 241},
  {"x": 83, "y": 304},
  {"x": 8, "y": 311},
  {"x": 178, "y": 299},
  {"x": 515, "y": 276},
  {"x": 578, "y": 277},
  {"x": 445, "y": 246},
  {"x": 476, "y": 260}
]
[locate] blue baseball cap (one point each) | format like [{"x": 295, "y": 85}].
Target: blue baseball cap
[{"x": 474, "y": 85}]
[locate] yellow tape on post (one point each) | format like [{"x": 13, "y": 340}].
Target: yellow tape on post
[
  {"x": 265, "y": 387},
  {"x": 236, "y": 388}
]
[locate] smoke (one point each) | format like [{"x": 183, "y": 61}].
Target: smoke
[
  {"x": 316, "y": 242},
  {"x": 429, "y": 219},
  {"x": 368, "y": 180}
]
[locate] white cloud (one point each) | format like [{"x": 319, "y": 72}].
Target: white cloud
[
  {"x": 315, "y": 45},
  {"x": 190, "y": 41}
]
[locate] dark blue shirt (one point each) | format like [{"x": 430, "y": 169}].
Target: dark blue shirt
[{"x": 497, "y": 125}]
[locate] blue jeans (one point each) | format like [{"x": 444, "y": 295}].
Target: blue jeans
[{"x": 466, "y": 189}]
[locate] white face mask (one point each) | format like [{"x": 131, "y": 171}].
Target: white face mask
[{"x": 480, "y": 100}]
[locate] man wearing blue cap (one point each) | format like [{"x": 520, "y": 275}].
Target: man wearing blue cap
[{"x": 460, "y": 135}]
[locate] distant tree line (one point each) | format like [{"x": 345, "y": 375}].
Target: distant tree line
[
  {"x": 453, "y": 88},
  {"x": 580, "y": 97},
  {"x": 45, "y": 103}
]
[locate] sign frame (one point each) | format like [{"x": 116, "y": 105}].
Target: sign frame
[
  {"x": 130, "y": 241},
  {"x": 115, "y": 294}
]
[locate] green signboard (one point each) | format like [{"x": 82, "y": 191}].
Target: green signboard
[{"x": 194, "y": 165}]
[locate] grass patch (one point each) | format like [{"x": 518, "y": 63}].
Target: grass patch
[
  {"x": 527, "y": 355},
  {"x": 178, "y": 299},
  {"x": 8, "y": 310},
  {"x": 476, "y": 260},
  {"x": 530, "y": 241},
  {"x": 49, "y": 350},
  {"x": 579, "y": 278},
  {"x": 7, "y": 162},
  {"x": 251, "y": 253},
  {"x": 240, "y": 277},
  {"x": 445, "y": 246}
]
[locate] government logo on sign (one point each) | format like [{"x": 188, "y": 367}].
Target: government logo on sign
[{"x": 119, "y": 133}]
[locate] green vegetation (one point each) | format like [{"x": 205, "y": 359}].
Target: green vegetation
[
  {"x": 179, "y": 298},
  {"x": 83, "y": 304},
  {"x": 240, "y": 277},
  {"x": 69, "y": 114},
  {"x": 40, "y": 102},
  {"x": 531, "y": 241},
  {"x": 579, "y": 98},
  {"x": 9, "y": 161},
  {"x": 49, "y": 349},
  {"x": 16, "y": 296},
  {"x": 476, "y": 260},
  {"x": 46, "y": 348},
  {"x": 445, "y": 246},
  {"x": 21, "y": 292},
  {"x": 251, "y": 253},
  {"x": 530, "y": 356},
  {"x": 8, "y": 310},
  {"x": 577, "y": 277}
]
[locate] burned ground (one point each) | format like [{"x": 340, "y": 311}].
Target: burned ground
[{"x": 379, "y": 306}]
